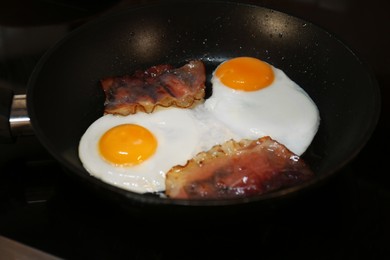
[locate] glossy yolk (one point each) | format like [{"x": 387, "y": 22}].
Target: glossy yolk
[
  {"x": 245, "y": 73},
  {"x": 127, "y": 144}
]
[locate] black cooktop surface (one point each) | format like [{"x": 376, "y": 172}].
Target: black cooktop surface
[{"x": 41, "y": 206}]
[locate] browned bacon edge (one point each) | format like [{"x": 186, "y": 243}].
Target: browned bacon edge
[
  {"x": 237, "y": 169},
  {"x": 158, "y": 86}
]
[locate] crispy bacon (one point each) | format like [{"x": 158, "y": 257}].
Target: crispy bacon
[
  {"x": 158, "y": 86},
  {"x": 237, "y": 169}
]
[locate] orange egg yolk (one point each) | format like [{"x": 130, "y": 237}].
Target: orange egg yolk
[
  {"x": 245, "y": 73},
  {"x": 127, "y": 144}
]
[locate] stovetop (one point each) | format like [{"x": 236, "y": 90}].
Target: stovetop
[{"x": 43, "y": 207}]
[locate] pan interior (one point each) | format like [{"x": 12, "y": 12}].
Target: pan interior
[{"x": 64, "y": 96}]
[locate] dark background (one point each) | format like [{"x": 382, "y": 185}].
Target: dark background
[{"x": 347, "y": 218}]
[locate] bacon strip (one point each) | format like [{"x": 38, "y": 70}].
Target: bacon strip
[
  {"x": 237, "y": 169},
  {"x": 157, "y": 86}
]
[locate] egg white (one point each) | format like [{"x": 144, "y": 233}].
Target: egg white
[
  {"x": 176, "y": 135},
  {"x": 282, "y": 110}
]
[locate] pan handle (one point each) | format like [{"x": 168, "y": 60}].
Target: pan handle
[{"x": 14, "y": 119}]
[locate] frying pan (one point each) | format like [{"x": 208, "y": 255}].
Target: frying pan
[{"x": 63, "y": 96}]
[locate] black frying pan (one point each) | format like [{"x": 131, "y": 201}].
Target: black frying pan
[{"x": 64, "y": 98}]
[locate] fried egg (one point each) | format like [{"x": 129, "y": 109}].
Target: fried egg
[
  {"x": 134, "y": 152},
  {"x": 250, "y": 99},
  {"x": 255, "y": 99}
]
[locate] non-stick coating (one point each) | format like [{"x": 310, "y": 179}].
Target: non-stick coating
[{"x": 64, "y": 97}]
